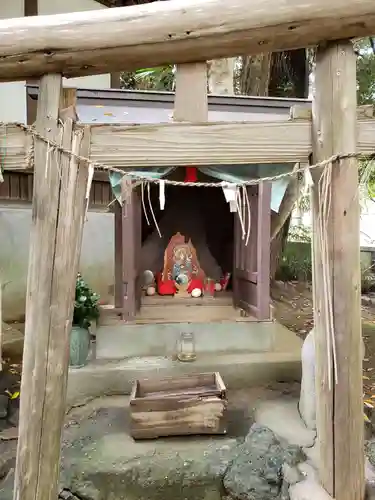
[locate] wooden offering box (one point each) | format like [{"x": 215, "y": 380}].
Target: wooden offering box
[{"x": 177, "y": 406}]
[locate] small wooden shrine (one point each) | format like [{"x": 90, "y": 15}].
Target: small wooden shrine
[{"x": 182, "y": 32}]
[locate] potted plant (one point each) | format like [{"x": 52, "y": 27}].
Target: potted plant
[{"x": 86, "y": 310}]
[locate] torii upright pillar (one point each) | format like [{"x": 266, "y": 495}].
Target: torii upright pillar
[{"x": 340, "y": 423}]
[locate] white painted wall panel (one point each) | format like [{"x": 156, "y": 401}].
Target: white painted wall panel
[
  {"x": 46, "y": 7},
  {"x": 12, "y": 95}
]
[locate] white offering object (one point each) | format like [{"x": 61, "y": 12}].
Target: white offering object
[
  {"x": 150, "y": 290},
  {"x": 196, "y": 292}
]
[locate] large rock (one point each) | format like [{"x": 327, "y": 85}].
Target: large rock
[
  {"x": 307, "y": 402},
  {"x": 308, "y": 490},
  {"x": 101, "y": 461},
  {"x": 174, "y": 473},
  {"x": 370, "y": 451},
  {"x": 256, "y": 471},
  {"x": 4, "y": 402},
  {"x": 282, "y": 417},
  {"x": 12, "y": 341}
]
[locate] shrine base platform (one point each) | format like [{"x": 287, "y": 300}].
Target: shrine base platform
[{"x": 238, "y": 351}]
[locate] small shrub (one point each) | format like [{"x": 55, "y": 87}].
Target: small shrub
[
  {"x": 295, "y": 263},
  {"x": 367, "y": 280},
  {"x": 86, "y": 304}
]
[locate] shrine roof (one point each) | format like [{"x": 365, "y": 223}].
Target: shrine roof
[{"x": 134, "y": 106}]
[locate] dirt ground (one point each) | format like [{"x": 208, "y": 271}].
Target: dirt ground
[{"x": 294, "y": 309}]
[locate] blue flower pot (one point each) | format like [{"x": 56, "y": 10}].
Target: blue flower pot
[{"x": 79, "y": 347}]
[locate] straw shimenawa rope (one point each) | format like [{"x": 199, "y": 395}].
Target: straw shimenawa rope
[
  {"x": 143, "y": 178},
  {"x": 243, "y": 212}
]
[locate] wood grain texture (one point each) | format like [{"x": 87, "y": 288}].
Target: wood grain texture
[
  {"x": 130, "y": 247},
  {"x": 38, "y": 299},
  {"x": 339, "y": 409},
  {"x": 212, "y": 143},
  {"x": 348, "y": 399},
  {"x": 183, "y": 31},
  {"x": 190, "y": 101},
  {"x": 180, "y": 144},
  {"x": 57, "y": 219},
  {"x": 118, "y": 255},
  {"x": 16, "y": 148},
  {"x": 201, "y": 144},
  {"x": 190, "y": 404},
  {"x": 263, "y": 251}
]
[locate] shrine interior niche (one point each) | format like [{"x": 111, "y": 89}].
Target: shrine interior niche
[{"x": 194, "y": 254}]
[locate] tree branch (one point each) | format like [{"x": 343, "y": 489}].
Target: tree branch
[{"x": 290, "y": 198}]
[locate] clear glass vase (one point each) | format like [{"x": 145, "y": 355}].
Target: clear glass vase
[{"x": 186, "y": 350}]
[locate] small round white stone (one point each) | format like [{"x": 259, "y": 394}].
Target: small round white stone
[
  {"x": 150, "y": 290},
  {"x": 217, "y": 287},
  {"x": 196, "y": 292}
]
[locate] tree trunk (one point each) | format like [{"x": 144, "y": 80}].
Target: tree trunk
[
  {"x": 287, "y": 205},
  {"x": 289, "y": 77},
  {"x": 255, "y": 74},
  {"x": 221, "y": 76},
  {"x": 278, "y": 246}
]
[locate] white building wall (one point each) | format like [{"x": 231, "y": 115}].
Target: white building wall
[
  {"x": 97, "y": 256},
  {"x": 12, "y": 95},
  {"x": 366, "y": 223},
  {"x": 46, "y": 7},
  {"x": 13, "y": 107}
]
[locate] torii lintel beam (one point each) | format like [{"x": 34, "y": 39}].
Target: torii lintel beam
[{"x": 177, "y": 31}]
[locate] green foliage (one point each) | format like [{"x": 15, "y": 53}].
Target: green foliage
[
  {"x": 365, "y": 72},
  {"x": 300, "y": 234},
  {"x": 366, "y": 171},
  {"x": 86, "y": 308},
  {"x": 367, "y": 280},
  {"x": 157, "y": 79},
  {"x": 295, "y": 263}
]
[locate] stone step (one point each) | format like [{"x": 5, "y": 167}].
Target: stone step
[
  {"x": 121, "y": 340},
  {"x": 238, "y": 370},
  {"x": 178, "y": 312}
]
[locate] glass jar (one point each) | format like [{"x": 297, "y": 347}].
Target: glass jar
[
  {"x": 186, "y": 350},
  {"x": 209, "y": 288}
]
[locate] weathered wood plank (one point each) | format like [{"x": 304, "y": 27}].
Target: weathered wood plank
[
  {"x": 180, "y": 144},
  {"x": 58, "y": 209},
  {"x": 128, "y": 253},
  {"x": 212, "y": 143},
  {"x": 119, "y": 288},
  {"x": 201, "y": 144},
  {"x": 339, "y": 407},
  {"x": 190, "y": 101},
  {"x": 38, "y": 316},
  {"x": 172, "y": 383},
  {"x": 190, "y": 404},
  {"x": 183, "y": 31},
  {"x": 15, "y": 147},
  {"x": 263, "y": 257}
]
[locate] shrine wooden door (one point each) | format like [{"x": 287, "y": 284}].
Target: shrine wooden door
[{"x": 251, "y": 273}]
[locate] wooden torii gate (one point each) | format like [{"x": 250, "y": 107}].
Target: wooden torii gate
[{"x": 79, "y": 44}]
